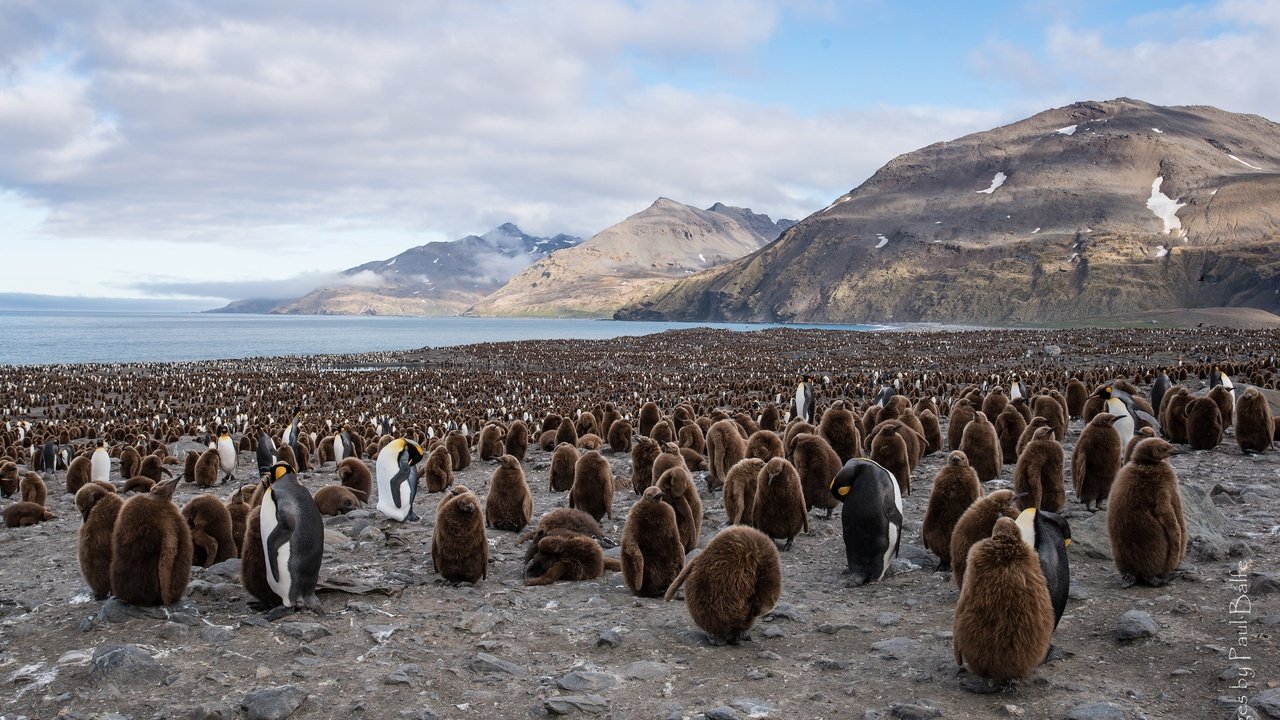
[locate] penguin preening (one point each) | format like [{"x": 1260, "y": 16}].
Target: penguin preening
[
  {"x": 1128, "y": 414},
  {"x": 1050, "y": 535},
  {"x": 292, "y": 538},
  {"x": 397, "y": 477},
  {"x": 871, "y": 518},
  {"x": 804, "y": 399}
]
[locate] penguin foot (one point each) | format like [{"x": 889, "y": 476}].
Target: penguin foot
[
  {"x": 412, "y": 517},
  {"x": 313, "y": 604},
  {"x": 1128, "y": 581},
  {"x": 829, "y": 511},
  {"x": 1158, "y": 581},
  {"x": 981, "y": 685},
  {"x": 278, "y": 612},
  {"x": 787, "y": 546},
  {"x": 1055, "y": 654}
]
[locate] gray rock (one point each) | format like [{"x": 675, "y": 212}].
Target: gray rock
[
  {"x": 275, "y": 703},
  {"x": 211, "y": 711},
  {"x": 486, "y": 663},
  {"x": 831, "y": 664},
  {"x": 646, "y": 670},
  {"x": 773, "y": 631},
  {"x": 610, "y": 638},
  {"x": 753, "y": 707},
  {"x": 1096, "y": 711},
  {"x": 304, "y": 631},
  {"x": 886, "y": 619},
  {"x": 398, "y": 678},
  {"x": 915, "y": 710},
  {"x": 565, "y": 704},
  {"x": 785, "y": 611},
  {"x": 1268, "y": 701},
  {"x": 1205, "y": 522},
  {"x": 1262, "y": 584},
  {"x": 478, "y": 622},
  {"x": 723, "y": 712},
  {"x": 380, "y": 633},
  {"x": 183, "y": 612},
  {"x": 896, "y": 648},
  {"x": 216, "y": 634},
  {"x": 1135, "y": 624},
  {"x": 586, "y": 680},
  {"x": 227, "y": 570},
  {"x": 128, "y": 663}
]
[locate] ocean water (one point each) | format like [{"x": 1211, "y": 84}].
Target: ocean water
[{"x": 48, "y": 337}]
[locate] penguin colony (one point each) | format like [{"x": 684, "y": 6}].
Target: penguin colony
[{"x": 769, "y": 463}]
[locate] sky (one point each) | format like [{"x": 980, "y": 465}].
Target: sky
[{"x": 153, "y": 149}]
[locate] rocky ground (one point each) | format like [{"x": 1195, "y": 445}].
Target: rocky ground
[{"x": 397, "y": 642}]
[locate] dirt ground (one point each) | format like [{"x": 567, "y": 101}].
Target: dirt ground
[{"x": 405, "y": 644}]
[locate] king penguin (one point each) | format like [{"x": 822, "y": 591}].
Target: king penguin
[
  {"x": 804, "y": 399},
  {"x": 100, "y": 468},
  {"x": 1050, "y": 535},
  {"x": 1218, "y": 377},
  {"x": 1017, "y": 389},
  {"x": 871, "y": 519},
  {"x": 1120, "y": 403},
  {"x": 292, "y": 538},
  {"x": 342, "y": 448},
  {"x": 290, "y": 435},
  {"x": 226, "y": 454},
  {"x": 398, "y": 479},
  {"x": 266, "y": 452}
]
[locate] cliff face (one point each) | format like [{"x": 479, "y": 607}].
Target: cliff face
[
  {"x": 621, "y": 263},
  {"x": 1094, "y": 209}
]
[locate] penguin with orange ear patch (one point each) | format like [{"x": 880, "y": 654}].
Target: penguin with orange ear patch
[
  {"x": 871, "y": 519},
  {"x": 292, "y": 538}
]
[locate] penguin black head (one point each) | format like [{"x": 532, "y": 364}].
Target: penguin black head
[
  {"x": 277, "y": 472},
  {"x": 222, "y": 430},
  {"x": 1054, "y": 519}
]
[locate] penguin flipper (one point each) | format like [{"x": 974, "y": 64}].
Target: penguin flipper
[
  {"x": 1148, "y": 419},
  {"x": 279, "y": 537}
]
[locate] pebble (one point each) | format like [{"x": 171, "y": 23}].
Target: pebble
[
  {"x": 1135, "y": 624},
  {"x": 1262, "y": 584},
  {"x": 722, "y": 712},
  {"x": 785, "y": 611},
  {"x": 380, "y": 633},
  {"x": 1096, "y": 711},
  {"x": 915, "y": 710},
  {"x": 127, "y": 663},
  {"x": 831, "y": 664},
  {"x": 217, "y": 634},
  {"x": 584, "y": 680},
  {"x": 1268, "y": 701},
  {"x": 895, "y": 648},
  {"x": 887, "y": 619},
  {"x": 610, "y": 638},
  {"x": 565, "y": 704},
  {"x": 275, "y": 703},
  {"x": 753, "y": 707},
  {"x": 773, "y": 631},
  {"x": 304, "y": 631},
  {"x": 211, "y": 711},
  {"x": 484, "y": 662},
  {"x": 646, "y": 670}
]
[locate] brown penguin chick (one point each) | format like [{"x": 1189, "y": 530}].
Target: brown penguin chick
[
  {"x": 1077, "y": 393},
  {"x": 152, "y": 466},
  {"x": 1047, "y": 407},
  {"x": 692, "y": 459},
  {"x": 652, "y": 553},
  {"x": 817, "y": 465},
  {"x": 509, "y": 505},
  {"x": 566, "y": 433},
  {"x": 955, "y": 488},
  {"x": 1020, "y": 404},
  {"x": 1009, "y": 428},
  {"x": 207, "y": 469},
  {"x": 516, "y": 442},
  {"x": 1004, "y": 618},
  {"x": 1030, "y": 431},
  {"x": 151, "y": 549},
  {"x": 662, "y": 432},
  {"x": 1038, "y": 474},
  {"x": 567, "y": 555},
  {"x": 439, "y": 471},
  {"x": 740, "y": 490},
  {"x": 32, "y": 488},
  {"x": 587, "y": 425},
  {"x": 189, "y": 467},
  {"x": 336, "y": 499},
  {"x": 889, "y": 450},
  {"x": 1255, "y": 425},
  {"x": 978, "y": 442},
  {"x": 1204, "y": 424},
  {"x": 1173, "y": 414},
  {"x": 995, "y": 402},
  {"x": 253, "y": 561},
  {"x": 459, "y": 549},
  {"x": 840, "y": 430},
  {"x": 961, "y": 414},
  {"x": 870, "y": 419},
  {"x": 1145, "y": 521},
  {"x": 725, "y": 447},
  {"x": 770, "y": 418},
  {"x": 562, "y": 519},
  {"x": 794, "y": 428},
  {"x": 669, "y": 457},
  {"x": 79, "y": 472},
  {"x": 764, "y": 444},
  {"x": 547, "y": 440},
  {"x": 1225, "y": 401},
  {"x": 130, "y": 462},
  {"x": 691, "y": 436},
  {"x": 778, "y": 509},
  {"x": 931, "y": 430},
  {"x": 211, "y": 532},
  {"x": 975, "y": 524},
  {"x": 138, "y": 484},
  {"x": 1142, "y": 434},
  {"x": 678, "y": 491},
  {"x": 649, "y": 416},
  {"x": 491, "y": 444},
  {"x": 736, "y": 578},
  {"x": 24, "y": 514},
  {"x": 355, "y": 476},
  {"x": 9, "y": 480},
  {"x": 592, "y": 490},
  {"x": 644, "y": 453},
  {"x": 458, "y": 447},
  {"x": 98, "y": 509},
  {"x": 619, "y": 436},
  {"x": 564, "y": 462},
  {"x": 238, "y": 511}
]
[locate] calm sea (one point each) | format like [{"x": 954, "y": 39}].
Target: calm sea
[{"x": 44, "y": 337}]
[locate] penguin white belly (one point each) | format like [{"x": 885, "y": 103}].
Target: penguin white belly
[
  {"x": 1124, "y": 426},
  {"x": 100, "y": 466},
  {"x": 282, "y": 582},
  {"x": 337, "y": 449},
  {"x": 894, "y": 530},
  {"x": 227, "y": 455}
]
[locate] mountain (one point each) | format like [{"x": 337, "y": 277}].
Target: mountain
[
  {"x": 442, "y": 278},
  {"x": 1091, "y": 210},
  {"x": 666, "y": 240}
]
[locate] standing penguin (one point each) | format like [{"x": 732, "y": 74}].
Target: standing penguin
[
  {"x": 736, "y": 578},
  {"x": 1159, "y": 387},
  {"x": 1204, "y": 423},
  {"x": 290, "y": 435},
  {"x": 226, "y": 454},
  {"x": 397, "y": 476},
  {"x": 1004, "y": 617},
  {"x": 342, "y": 447},
  {"x": 1038, "y": 474},
  {"x": 1095, "y": 460},
  {"x": 778, "y": 507},
  {"x": 804, "y": 399},
  {"x": 509, "y": 505},
  {"x": 151, "y": 549},
  {"x": 1052, "y": 537},
  {"x": 1255, "y": 425},
  {"x": 871, "y": 519},
  {"x": 975, "y": 524},
  {"x": 265, "y": 452},
  {"x": 955, "y": 487},
  {"x": 1148, "y": 530},
  {"x": 100, "y": 464},
  {"x": 1227, "y": 397},
  {"x": 652, "y": 552},
  {"x": 292, "y": 538},
  {"x": 979, "y": 443}
]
